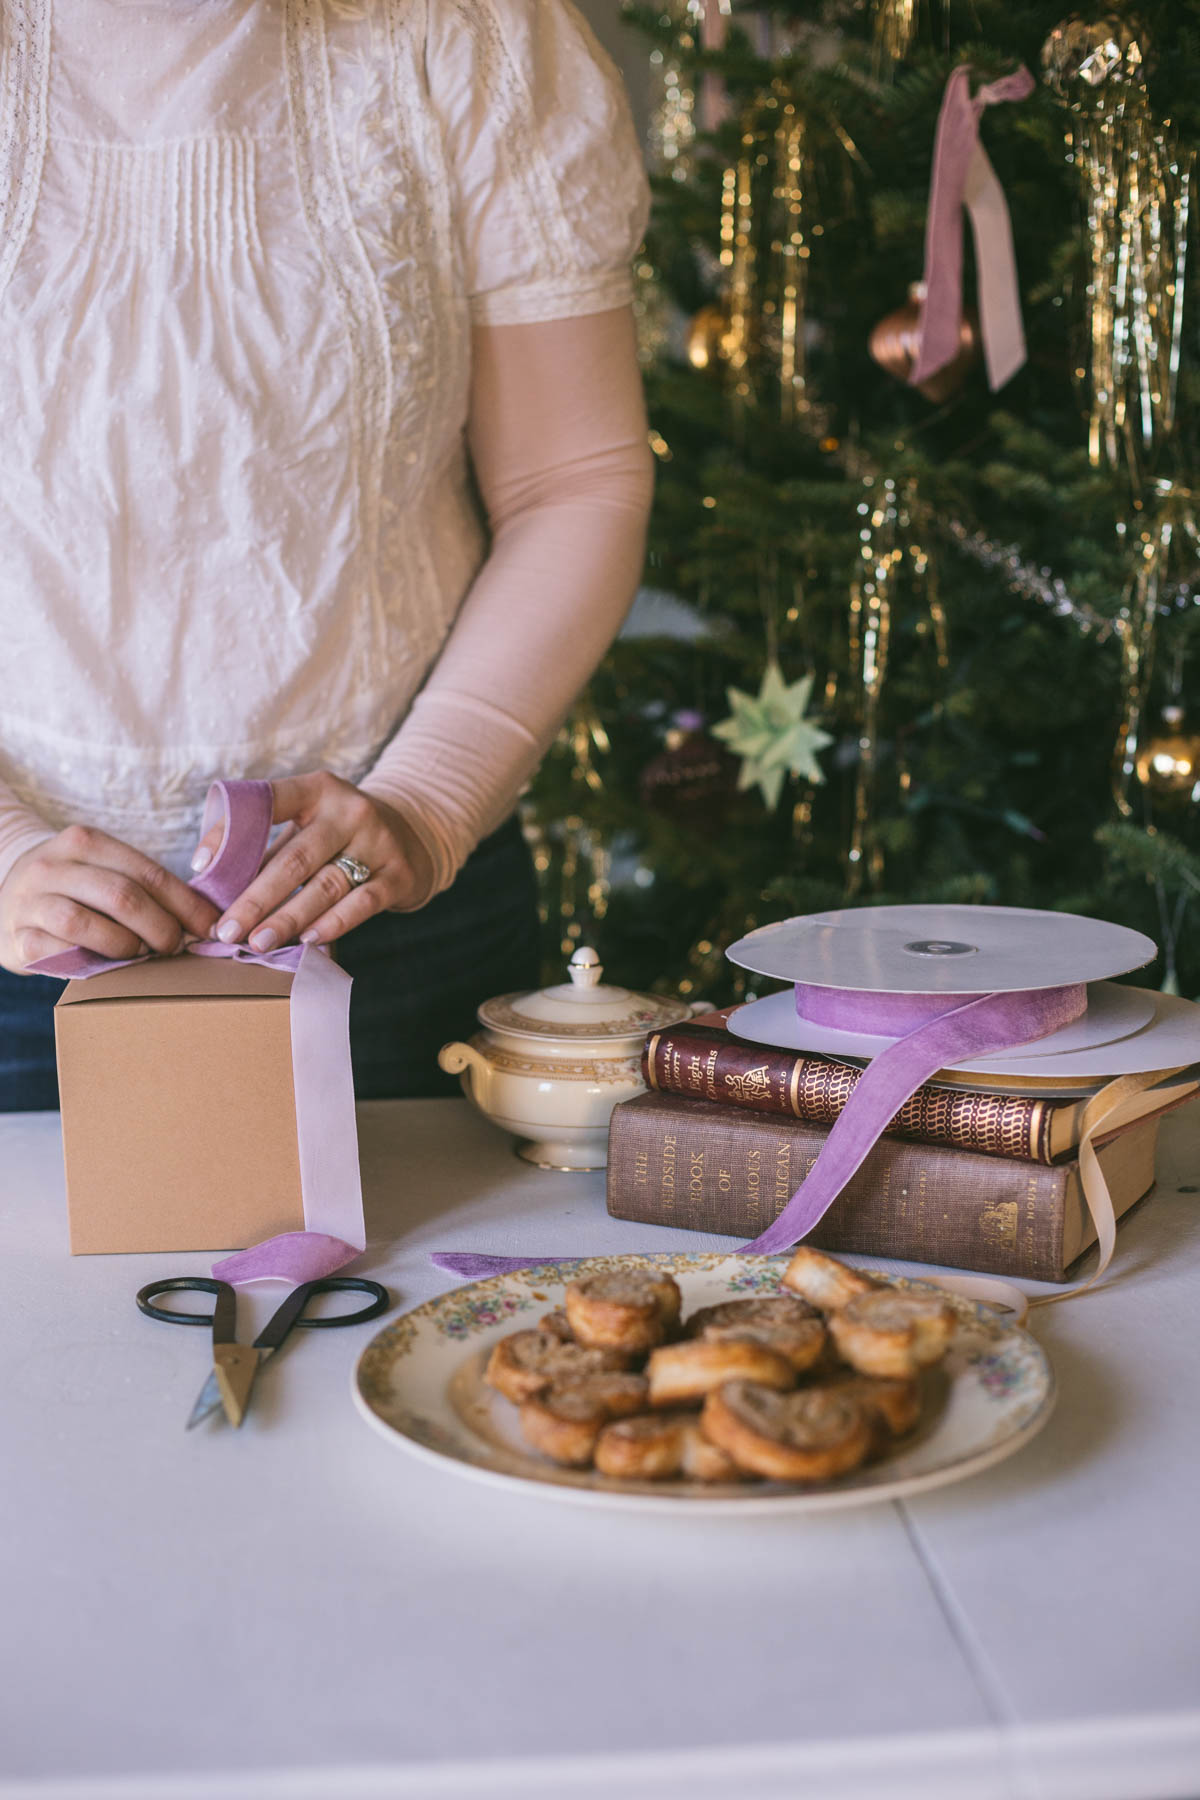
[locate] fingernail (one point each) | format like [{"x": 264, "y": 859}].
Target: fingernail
[
  {"x": 266, "y": 939},
  {"x": 308, "y": 937},
  {"x": 201, "y": 859},
  {"x": 228, "y": 931}
]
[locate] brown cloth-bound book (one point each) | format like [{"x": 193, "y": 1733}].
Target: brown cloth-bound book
[
  {"x": 703, "y": 1060},
  {"x": 701, "y": 1166}
]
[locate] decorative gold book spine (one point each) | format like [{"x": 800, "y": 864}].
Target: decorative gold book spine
[{"x": 707, "y": 1063}]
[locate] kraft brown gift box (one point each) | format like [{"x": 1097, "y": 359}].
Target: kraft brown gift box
[{"x": 178, "y": 1111}]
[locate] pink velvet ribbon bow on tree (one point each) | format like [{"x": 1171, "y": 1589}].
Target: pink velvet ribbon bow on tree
[{"x": 963, "y": 176}]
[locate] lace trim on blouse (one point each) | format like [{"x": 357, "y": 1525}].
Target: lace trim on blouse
[
  {"x": 24, "y": 89},
  {"x": 398, "y": 207},
  {"x": 331, "y": 222}
]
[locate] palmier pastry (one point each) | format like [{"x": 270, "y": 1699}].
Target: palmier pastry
[
  {"x": 784, "y": 1321},
  {"x": 823, "y": 1280},
  {"x": 892, "y": 1333},
  {"x": 565, "y": 1422},
  {"x": 703, "y": 1460},
  {"x": 623, "y": 1310},
  {"x": 894, "y": 1404},
  {"x": 649, "y": 1447},
  {"x": 557, "y": 1324},
  {"x": 655, "y": 1446},
  {"x": 812, "y": 1434},
  {"x": 527, "y": 1362},
  {"x": 682, "y": 1372}
]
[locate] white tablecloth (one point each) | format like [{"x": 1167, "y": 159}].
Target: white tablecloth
[{"x": 299, "y": 1609}]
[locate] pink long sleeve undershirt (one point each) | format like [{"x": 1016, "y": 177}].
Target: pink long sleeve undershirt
[
  {"x": 558, "y": 440},
  {"x": 557, "y": 435}
]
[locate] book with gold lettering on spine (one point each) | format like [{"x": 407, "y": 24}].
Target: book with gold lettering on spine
[
  {"x": 701, "y": 1165},
  {"x": 704, "y": 1061}
]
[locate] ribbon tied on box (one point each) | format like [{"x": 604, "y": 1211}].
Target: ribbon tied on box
[
  {"x": 327, "y": 1142},
  {"x": 964, "y": 177}
]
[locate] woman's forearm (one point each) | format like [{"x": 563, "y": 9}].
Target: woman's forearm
[{"x": 558, "y": 441}]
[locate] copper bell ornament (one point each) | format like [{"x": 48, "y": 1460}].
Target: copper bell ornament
[{"x": 896, "y": 339}]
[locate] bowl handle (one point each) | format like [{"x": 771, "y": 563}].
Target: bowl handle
[{"x": 465, "y": 1060}]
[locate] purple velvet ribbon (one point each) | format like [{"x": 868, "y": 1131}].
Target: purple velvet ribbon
[
  {"x": 975, "y": 1025},
  {"x": 963, "y": 176},
  {"x": 893, "y": 1015},
  {"x": 327, "y": 1142}
]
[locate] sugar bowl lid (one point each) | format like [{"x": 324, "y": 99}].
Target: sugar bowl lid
[{"x": 581, "y": 1007}]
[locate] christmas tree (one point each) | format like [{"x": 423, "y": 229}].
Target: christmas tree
[{"x": 901, "y": 641}]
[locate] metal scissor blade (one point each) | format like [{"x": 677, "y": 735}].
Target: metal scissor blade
[{"x": 208, "y": 1401}]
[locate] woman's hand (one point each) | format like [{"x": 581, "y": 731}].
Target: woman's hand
[
  {"x": 83, "y": 889},
  {"x": 299, "y": 892}
]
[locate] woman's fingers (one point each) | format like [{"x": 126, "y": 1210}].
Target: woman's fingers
[
  {"x": 299, "y": 797},
  {"x": 301, "y": 893},
  {"x": 206, "y": 849},
  {"x": 360, "y": 904},
  {"x": 298, "y": 881},
  {"x": 83, "y": 889},
  {"x": 69, "y": 919},
  {"x": 210, "y": 843},
  {"x": 172, "y": 903},
  {"x": 304, "y": 859},
  {"x": 325, "y": 888},
  {"x": 127, "y": 913},
  {"x": 33, "y": 944}
]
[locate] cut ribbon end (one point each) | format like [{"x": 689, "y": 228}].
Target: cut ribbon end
[
  {"x": 474, "y": 1265},
  {"x": 293, "y": 1256}
]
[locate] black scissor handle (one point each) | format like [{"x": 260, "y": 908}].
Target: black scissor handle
[
  {"x": 292, "y": 1311},
  {"x": 222, "y": 1317}
]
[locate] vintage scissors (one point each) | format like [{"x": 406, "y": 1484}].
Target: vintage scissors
[{"x": 235, "y": 1365}]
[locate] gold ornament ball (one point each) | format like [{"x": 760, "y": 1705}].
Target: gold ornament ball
[
  {"x": 1108, "y": 51},
  {"x": 1169, "y": 765},
  {"x": 705, "y": 333},
  {"x": 895, "y": 341}
]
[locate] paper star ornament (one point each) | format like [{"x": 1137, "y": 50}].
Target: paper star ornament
[{"x": 771, "y": 734}]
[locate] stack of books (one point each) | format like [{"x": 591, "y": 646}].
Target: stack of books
[{"x": 989, "y": 1181}]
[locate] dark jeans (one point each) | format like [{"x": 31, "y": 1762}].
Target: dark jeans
[{"x": 418, "y": 978}]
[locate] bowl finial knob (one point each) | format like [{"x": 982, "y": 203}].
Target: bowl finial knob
[{"x": 585, "y": 968}]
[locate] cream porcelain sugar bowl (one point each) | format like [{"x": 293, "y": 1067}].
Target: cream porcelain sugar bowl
[{"x": 550, "y": 1066}]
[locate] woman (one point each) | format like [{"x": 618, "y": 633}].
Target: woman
[{"x": 322, "y": 458}]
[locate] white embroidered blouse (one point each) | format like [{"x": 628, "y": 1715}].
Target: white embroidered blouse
[{"x": 242, "y": 244}]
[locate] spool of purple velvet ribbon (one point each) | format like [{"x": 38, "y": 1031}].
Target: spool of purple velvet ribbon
[{"x": 896, "y": 1015}]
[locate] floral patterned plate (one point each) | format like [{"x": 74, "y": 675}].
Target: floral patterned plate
[{"x": 420, "y": 1383}]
